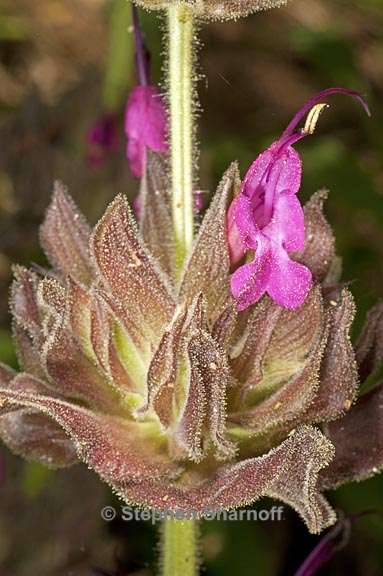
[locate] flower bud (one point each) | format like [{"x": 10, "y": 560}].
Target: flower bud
[{"x": 145, "y": 126}]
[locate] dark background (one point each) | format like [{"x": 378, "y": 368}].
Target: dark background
[{"x": 63, "y": 63}]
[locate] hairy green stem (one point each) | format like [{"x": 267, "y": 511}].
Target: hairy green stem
[
  {"x": 179, "y": 537},
  {"x": 179, "y": 547},
  {"x": 180, "y": 79}
]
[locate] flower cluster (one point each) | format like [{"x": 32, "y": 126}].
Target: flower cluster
[{"x": 175, "y": 395}]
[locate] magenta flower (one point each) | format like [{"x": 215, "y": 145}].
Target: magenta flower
[
  {"x": 266, "y": 217},
  {"x": 331, "y": 543},
  {"x": 102, "y": 139},
  {"x": 146, "y": 124}
]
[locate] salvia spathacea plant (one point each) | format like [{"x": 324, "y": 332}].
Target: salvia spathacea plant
[{"x": 196, "y": 370}]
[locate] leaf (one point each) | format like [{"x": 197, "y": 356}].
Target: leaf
[
  {"x": 288, "y": 473},
  {"x": 187, "y": 387},
  {"x": 358, "y": 441},
  {"x": 156, "y": 224},
  {"x": 71, "y": 373},
  {"x": 162, "y": 373},
  {"x": 6, "y": 374},
  {"x": 208, "y": 267},
  {"x": 64, "y": 235},
  {"x": 277, "y": 346},
  {"x": 27, "y": 352},
  {"x": 98, "y": 332},
  {"x": 369, "y": 347},
  {"x": 223, "y": 328},
  {"x": 299, "y": 486},
  {"x": 253, "y": 340},
  {"x": 209, "y": 363},
  {"x": 319, "y": 252},
  {"x": 129, "y": 274},
  {"x": 23, "y": 301},
  {"x": 338, "y": 375},
  {"x": 118, "y": 449},
  {"x": 284, "y": 407},
  {"x": 29, "y": 433},
  {"x": 176, "y": 391},
  {"x": 34, "y": 436}
]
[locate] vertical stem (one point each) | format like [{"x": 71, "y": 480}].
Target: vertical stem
[
  {"x": 181, "y": 31},
  {"x": 179, "y": 547},
  {"x": 179, "y": 537}
]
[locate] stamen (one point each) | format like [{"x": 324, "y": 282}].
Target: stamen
[
  {"x": 317, "y": 99},
  {"x": 313, "y": 117}
]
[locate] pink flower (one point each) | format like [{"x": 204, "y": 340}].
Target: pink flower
[
  {"x": 102, "y": 139},
  {"x": 145, "y": 126},
  {"x": 267, "y": 218},
  {"x": 146, "y": 123}
]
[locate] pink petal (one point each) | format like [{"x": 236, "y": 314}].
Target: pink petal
[
  {"x": 245, "y": 222},
  {"x": 236, "y": 247},
  {"x": 136, "y": 154},
  {"x": 145, "y": 125},
  {"x": 288, "y": 282},
  {"x": 289, "y": 164},
  {"x": 250, "y": 281},
  {"x": 287, "y": 223}
]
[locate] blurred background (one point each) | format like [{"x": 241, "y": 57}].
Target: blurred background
[{"x": 66, "y": 67}]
